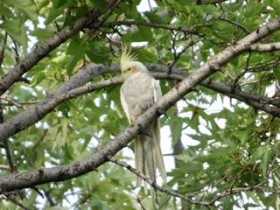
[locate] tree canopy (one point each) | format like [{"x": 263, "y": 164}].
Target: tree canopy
[{"x": 65, "y": 142}]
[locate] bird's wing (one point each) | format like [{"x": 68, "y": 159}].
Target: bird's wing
[
  {"x": 157, "y": 89},
  {"x": 125, "y": 106},
  {"x": 138, "y": 93}
]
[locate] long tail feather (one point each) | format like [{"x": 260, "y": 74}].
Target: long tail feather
[
  {"x": 148, "y": 156},
  {"x": 158, "y": 153}
]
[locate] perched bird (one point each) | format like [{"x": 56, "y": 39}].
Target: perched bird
[{"x": 139, "y": 92}]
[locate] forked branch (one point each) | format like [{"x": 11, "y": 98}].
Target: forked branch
[{"x": 104, "y": 154}]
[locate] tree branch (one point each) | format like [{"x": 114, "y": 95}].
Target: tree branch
[
  {"x": 9, "y": 155},
  {"x": 155, "y": 185},
  {"x": 37, "y": 112},
  {"x": 234, "y": 191},
  {"x": 102, "y": 155},
  {"x": 41, "y": 50},
  {"x": 258, "y": 102},
  {"x": 73, "y": 88},
  {"x": 238, "y": 25},
  {"x": 3, "y": 47},
  {"x": 209, "y": 1},
  {"x": 268, "y": 47},
  {"x": 153, "y": 25},
  {"x": 17, "y": 203},
  {"x": 161, "y": 72},
  {"x": 189, "y": 198}
]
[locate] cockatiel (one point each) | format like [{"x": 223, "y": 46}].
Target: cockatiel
[{"x": 139, "y": 92}]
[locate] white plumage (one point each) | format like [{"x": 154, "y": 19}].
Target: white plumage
[{"x": 139, "y": 92}]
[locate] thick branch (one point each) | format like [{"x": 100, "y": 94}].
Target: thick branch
[
  {"x": 41, "y": 50},
  {"x": 73, "y": 88},
  {"x": 268, "y": 47},
  {"x": 102, "y": 155},
  {"x": 68, "y": 91},
  {"x": 37, "y": 112}
]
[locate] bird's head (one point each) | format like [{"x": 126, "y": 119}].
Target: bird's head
[{"x": 129, "y": 65}]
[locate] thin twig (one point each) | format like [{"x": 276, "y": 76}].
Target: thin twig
[
  {"x": 246, "y": 69},
  {"x": 173, "y": 193},
  {"x": 233, "y": 191},
  {"x": 65, "y": 172},
  {"x": 154, "y": 25},
  {"x": 178, "y": 55},
  {"x": 11, "y": 101},
  {"x": 209, "y": 1},
  {"x": 14, "y": 201},
  {"x": 18, "y": 104},
  {"x": 238, "y": 25},
  {"x": 268, "y": 66},
  {"x": 155, "y": 185},
  {"x": 41, "y": 50},
  {"x": 49, "y": 198},
  {"x": 140, "y": 203},
  {"x": 9, "y": 155},
  {"x": 15, "y": 48},
  {"x": 2, "y": 52}
]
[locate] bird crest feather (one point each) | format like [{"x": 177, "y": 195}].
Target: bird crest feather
[{"x": 126, "y": 58}]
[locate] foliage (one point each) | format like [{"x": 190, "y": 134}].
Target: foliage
[{"x": 236, "y": 147}]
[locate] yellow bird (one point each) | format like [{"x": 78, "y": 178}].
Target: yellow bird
[{"x": 139, "y": 92}]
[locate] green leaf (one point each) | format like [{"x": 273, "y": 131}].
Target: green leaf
[
  {"x": 176, "y": 124},
  {"x": 42, "y": 34},
  {"x": 98, "y": 4},
  {"x": 267, "y": 155},
  {"x": 53, "y": 14},
  {"x": 17, "y": 30},
  {"x": 276, "y": 72},
  {"x": 141, "y": 34},
  {"x": 25, "y": 6}
]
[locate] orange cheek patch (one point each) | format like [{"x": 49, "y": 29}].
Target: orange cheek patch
[{"x": 133, "y": 69}]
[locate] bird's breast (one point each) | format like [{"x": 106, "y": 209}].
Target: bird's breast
[
  {"x": 141, "y": 82},
  {"x": 138, "y": 91}
]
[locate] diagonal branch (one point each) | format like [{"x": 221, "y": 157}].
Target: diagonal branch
[
  {"x": 3, "y": 47},
  {"x": 268, "y": 47},
  {"x": 37, "y": 112},
  {"x": 258, "y": 102},
  {"x": 73, "y": 88},
  {"x": 170, "y": 192},
  {"x": 41, "y": 50},
  {"x": 209, "y": 1},
  {"x": 17, "y": 203},
  {"x": 104, "y": 153},
  {"x": 189, "y": 197}
]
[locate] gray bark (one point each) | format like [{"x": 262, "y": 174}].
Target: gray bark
[
  {"x": 41, "y": 50},
  {"x": 102, "y": 155}
]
